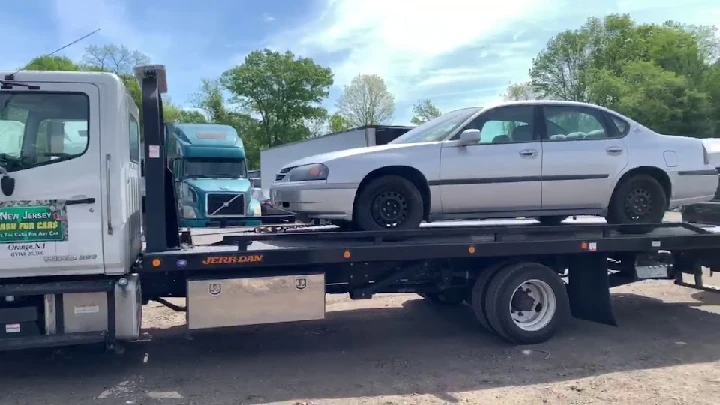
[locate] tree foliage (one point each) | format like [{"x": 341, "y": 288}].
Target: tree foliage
[
  {"x": 283, "y": 90},
  {"x": 114, "y": 58},
  {"x": 662, "y": 75},
  {"x": 520, "y": 92},
  {"x": 338, "y": 123},
  {"x": 424, "y": 111},
  {"x": 366, "y": 101},
  {"x": 121, "y": 61}
]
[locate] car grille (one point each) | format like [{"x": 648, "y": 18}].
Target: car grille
[
  {"x": 223, "y": 205},
  {"x": 283, "y": 173}
]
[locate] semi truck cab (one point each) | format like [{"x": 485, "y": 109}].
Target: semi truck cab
[{"x": 210, "y": 176}]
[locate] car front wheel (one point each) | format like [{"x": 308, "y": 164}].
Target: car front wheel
[{"x": 388, "y": 202}]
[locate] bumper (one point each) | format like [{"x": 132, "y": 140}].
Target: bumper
[
  {"x": 693, "y": 187},
  {"x": 310, "y": 199}
]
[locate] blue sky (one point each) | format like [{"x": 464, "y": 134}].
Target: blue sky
[{"x": 456, "y": 52}]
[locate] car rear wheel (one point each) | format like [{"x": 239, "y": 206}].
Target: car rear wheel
[
  {"x": 639, "y": 199},
  {"x": 388, "y": 202}
]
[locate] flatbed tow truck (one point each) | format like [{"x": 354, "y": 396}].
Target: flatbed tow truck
[{"x": 82, "y": 275}]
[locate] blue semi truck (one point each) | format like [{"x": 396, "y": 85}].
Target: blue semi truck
[{"x": 210, "y": 176}]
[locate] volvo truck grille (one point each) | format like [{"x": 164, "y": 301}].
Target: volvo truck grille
[{"x": 223, "y": 205}]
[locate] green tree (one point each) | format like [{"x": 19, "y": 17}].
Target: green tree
[
  {"x": 283, "y": 90},
  {"x": 424, "y": 111},
  {"x": 366, "y": 101},
  {"x": 519, "y": 92},
  {"x": 211, "y": 100},
  {"x": 559, "y": 71},
  {"x": 338, "y": 123},
  {"x": 52, "y": 63},
  {"x": 114, "y": 58},
  {"x": 173, "y": 113},
  {"x": 658, "y": 74}
]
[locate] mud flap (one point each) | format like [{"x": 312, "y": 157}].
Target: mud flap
[{"x": 589, "y": 289}]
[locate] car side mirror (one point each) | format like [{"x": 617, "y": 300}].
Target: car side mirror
[{"x": 469, "y": 137}]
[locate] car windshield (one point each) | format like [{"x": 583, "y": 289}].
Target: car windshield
[
  {"x": 215, "y": 168},
  {"x": 437, "y": 129}
]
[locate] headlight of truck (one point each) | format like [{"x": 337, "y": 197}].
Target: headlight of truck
[
  {"x": 189, "y": 194},
  {"x": 256, "y": 210},
  {"x": 314, "y": 171},
  {"x": 188, "y": 212}
]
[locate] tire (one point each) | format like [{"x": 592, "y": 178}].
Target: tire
[
  {"x": 648, "y": 190},
  {"x": 543, "y": 321},
  {"x": 479, "y": 292},
  {"x": 445, "y": 297},
  {"x": 396, "y": 189},
  {"x": 551, "y": 220}
]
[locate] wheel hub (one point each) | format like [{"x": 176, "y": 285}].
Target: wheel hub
[
  {"x": 389, "y": 209},
  {"x": 638, "y": 204},
  {"x": 533, "y": 305}
]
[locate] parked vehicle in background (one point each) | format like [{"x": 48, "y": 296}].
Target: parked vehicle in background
[
  {"x": 542, "y": 159},
  {"x": 210, "y": 176}
]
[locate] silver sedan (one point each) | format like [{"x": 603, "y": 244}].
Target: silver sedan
[{"x": 542, "y": 159}]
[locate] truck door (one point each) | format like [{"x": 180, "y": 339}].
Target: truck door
[{"x": 51, "y": 222}]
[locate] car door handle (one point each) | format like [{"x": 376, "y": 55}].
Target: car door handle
[
  {"x": 528, "y": 153},
  {"x": 79, "y": 201},
  {"x": 613, "y": 150}
]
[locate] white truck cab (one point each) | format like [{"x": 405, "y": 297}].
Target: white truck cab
[{"x": 70, "y": 168}]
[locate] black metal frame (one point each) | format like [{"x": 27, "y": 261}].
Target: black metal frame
[
  {"x": 328, "y": 248},
  {"x": 60, "y": 338}
]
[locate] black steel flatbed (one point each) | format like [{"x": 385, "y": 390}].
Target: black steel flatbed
[{"x": 252, "y": 251}]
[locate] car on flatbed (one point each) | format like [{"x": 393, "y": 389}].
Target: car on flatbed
[{"x": 542, "y": 159}]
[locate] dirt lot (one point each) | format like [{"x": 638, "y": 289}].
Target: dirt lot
[{"x": 395, "y": 350}]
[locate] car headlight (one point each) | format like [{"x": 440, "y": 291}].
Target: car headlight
[{"x": 314, "y": 171}]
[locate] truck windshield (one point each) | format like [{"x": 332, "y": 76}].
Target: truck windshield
[
  {"x": 41, "y": 128},
  {"x": 215, "y": 168},
  {"x": 437, "y": 129}
]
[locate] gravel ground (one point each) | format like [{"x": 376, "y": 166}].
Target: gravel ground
[{"x": 394, "y": 350}]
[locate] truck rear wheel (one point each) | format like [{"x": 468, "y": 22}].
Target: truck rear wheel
[{"x": 524, "y": 303}]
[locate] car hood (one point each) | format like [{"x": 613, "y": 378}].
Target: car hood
[
  {"x": 219, "y": 185},
  {"x": 326, "y": 157}
]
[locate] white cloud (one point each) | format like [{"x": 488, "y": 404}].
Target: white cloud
[
  {"x": 268, "y": 18},
  {"x": 409, "y": 42}
]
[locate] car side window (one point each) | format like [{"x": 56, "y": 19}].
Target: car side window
[
  {"x": 568, "y": 123},
  {"x": 511, "y": 124}
]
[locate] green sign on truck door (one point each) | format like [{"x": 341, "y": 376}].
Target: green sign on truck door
[{"x": 33, "y": 221}]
